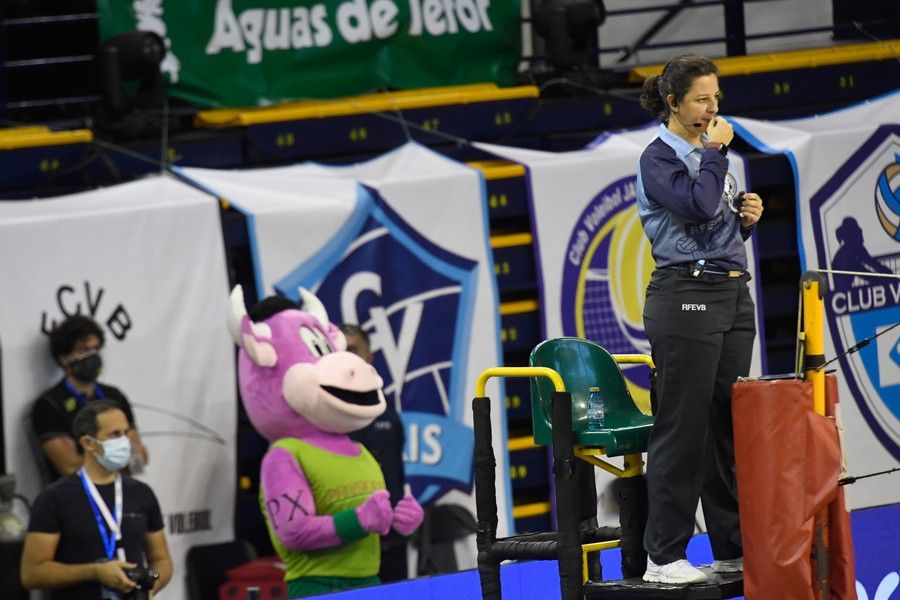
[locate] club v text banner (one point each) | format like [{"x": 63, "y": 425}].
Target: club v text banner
[
  {"x": 227, "y": 53},
  {"x": 400, "y": 246},
  {"x": 846, "y": 166},
  {"x": 145, "y": 260}
]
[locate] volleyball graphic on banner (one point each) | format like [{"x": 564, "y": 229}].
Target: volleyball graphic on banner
[
  {"x": 887, "y": 198},
  {"x": 607, "y": 266}
]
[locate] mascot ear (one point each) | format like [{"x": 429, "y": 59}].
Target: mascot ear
[
  {"x": 249, "y": 335},
  {"x": 314, "y": 306}
]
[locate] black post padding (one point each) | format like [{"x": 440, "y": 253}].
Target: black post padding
[
  {"x": 567, "y": 498},
  {"x": 632, "y": 496},
  {"x": 485, "y": 499},
  {"x": 587, "y": 519},
  {"x": 489, "y": 574},
  {"x": 485, "y": 469},
  {"x": 587, "y": 491}
]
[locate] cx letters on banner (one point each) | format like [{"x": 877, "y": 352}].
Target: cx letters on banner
[{"x": 223, "y": 53}]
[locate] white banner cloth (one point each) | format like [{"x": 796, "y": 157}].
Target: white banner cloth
[{"x": 145, "y": 260}]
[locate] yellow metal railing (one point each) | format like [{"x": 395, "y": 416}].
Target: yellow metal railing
[
  {"x": 789, "y": 60},
  {"x": 498, "y": 169},
  {"x": 33, "y": 137},
  {"x": 508, "y": 240},
  {"x": 493, "y": 372},
  {"x": 593, "y": 547},
  {"x": 531, "y": 510},
  {"x": 364, "y": 104}
]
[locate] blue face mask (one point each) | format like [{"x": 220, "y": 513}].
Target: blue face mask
[{"x": 116, "y": 453}]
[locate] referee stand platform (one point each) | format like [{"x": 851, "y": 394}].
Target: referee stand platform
[
  {"x": 796, "y": 543},
  {"x": 561, "y": 372}
]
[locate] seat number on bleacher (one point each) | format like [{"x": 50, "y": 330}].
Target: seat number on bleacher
[
  {"x": 509, "y": 334},
  {"x": 496, "y": 201},
  {"x": 284, "y": 139},
  {"x": 49, "y": 164}
]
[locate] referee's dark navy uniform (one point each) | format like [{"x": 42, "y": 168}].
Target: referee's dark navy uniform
[{"x": 700, "y": 321}]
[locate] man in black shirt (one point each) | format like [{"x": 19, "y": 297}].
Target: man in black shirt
[
  {"x": 87, "y": 528},
  {"x": 75, "y": 345},
  {"x": 384, "y": 438}
]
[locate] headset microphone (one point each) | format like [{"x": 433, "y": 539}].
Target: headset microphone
[{"x": 696, "y": 125}]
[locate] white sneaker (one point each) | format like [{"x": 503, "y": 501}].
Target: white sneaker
[
  {"x": 734, "y": 565},
  {"x": 678, "y": 572}
]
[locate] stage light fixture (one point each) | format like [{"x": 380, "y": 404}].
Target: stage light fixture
[
  {"x": 568, "y": 28},
  {"x": 129, "y": 70}
]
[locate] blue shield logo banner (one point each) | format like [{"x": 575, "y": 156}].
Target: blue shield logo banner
[
  {"x": 416, "y": 301},
  {"x": 855, "y": 222}
]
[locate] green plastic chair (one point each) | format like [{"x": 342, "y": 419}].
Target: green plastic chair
[{"x": 583, "y": 364}]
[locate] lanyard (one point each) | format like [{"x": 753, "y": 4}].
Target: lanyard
[
  {"x": 79, "y": 397},
  {"x": 111, "y": 531}
]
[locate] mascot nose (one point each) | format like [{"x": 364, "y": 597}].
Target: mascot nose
[
  {"x": 344, "y": 368},
  {"x": 367, "y": 370}
]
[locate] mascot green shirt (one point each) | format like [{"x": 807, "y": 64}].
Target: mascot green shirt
[{"x": 339, "y": 484}]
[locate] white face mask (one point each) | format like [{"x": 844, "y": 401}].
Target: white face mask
[{"x": 116, "y": 452}]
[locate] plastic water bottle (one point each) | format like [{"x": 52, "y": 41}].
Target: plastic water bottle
[{"x": 595, "y": 410}]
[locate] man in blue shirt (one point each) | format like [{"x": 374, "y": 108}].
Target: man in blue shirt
[{"x": 698, "y": 315}]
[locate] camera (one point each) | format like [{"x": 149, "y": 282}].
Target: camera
[{"x": 144, "y": 577}]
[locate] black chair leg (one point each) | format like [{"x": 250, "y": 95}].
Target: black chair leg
[
  {"x": 632, "y": 497},
  {"x": 587, "y": 502},
  {"x": 567, "y": 499},
  {"x": 485, "y": 499}
]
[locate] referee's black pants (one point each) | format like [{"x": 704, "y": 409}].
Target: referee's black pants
[{"x": 701, "y": 332}]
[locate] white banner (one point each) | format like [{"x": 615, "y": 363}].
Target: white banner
[
  {"x": 407, "y": 256},
  {"x": 592, "y": 256},
  {"x": 847, "y": 180},
  {"x": 145, "y": 260}
]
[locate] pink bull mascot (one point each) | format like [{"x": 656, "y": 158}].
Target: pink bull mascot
[{"x": 322, "y": 495}]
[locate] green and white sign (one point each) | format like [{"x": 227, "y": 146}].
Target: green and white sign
[{"x": 261, "y": 52}]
